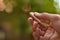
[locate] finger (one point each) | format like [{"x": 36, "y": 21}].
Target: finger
[
  {"x": 54, "y": 36},
  {"x": 49, "y": 33},
  {"x": 32, "y": 14},
  {"x": 35, "y": 25},
  {"x": 34, "y": 36},
  {"x": 37, "y": 34},
  {"x": 47, "y": 17},
  {"x": 41, "y": 33},
  {"x": 37, "y": 28},
  {"x": 42, "y": 17},
  {"x": 30, "y": 19},
  {"x": 41, "y": 38}
]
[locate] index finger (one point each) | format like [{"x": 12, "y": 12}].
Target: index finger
[{"x": 48, "y": 17}]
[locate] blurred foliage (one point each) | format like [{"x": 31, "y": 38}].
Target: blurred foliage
[{"x": 17, "y": 13}]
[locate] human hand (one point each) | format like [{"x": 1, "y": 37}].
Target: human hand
[{"x": 48, "y": 18}]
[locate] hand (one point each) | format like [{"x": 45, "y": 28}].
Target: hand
[{"x": 52, "y": 20}]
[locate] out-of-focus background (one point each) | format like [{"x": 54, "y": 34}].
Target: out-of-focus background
[{"x": 14, "y": 15}]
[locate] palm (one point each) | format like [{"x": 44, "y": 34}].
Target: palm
[{"x": 50, "y": 34}]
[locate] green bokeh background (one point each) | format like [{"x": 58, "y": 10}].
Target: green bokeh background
[{"x": 21, "y": 28}]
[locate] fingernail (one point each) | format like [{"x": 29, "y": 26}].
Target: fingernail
[
  {"x": 31, "y": 13},
  {"x": 37, "y": 14}
]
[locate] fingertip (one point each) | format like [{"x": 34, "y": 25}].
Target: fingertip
[
  {"x": 41, "y": 38},
  {"x": 31, "y": 13},
  {"x": 30, "y": 19},
  {"x": 35, "y": 23}
]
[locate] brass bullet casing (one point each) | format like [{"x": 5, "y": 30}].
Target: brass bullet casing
[{"x": 39, "y": 21}]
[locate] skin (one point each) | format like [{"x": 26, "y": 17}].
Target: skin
[
  {"x": 53, "y": 30},
  {"x": 2, "y": 5}
]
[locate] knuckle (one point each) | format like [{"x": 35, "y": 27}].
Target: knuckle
[{"x": 56, "y": 17}]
